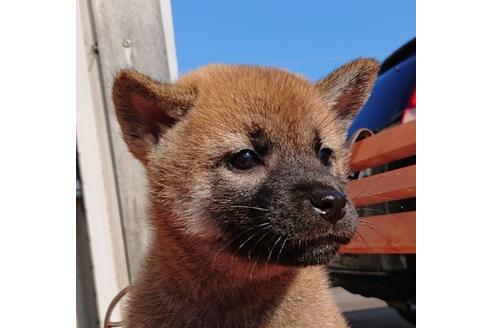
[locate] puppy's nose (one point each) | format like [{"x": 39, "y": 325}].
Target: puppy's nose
[{"x": 329, "y": 203}]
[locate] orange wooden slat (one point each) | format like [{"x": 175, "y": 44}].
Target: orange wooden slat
[
  {"x": 383, "y": 187},
  {"x": 384, "y": 234},
  {"x": 388, "y": 145}
]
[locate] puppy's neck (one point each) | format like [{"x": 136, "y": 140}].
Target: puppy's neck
[
  {"x": 190, "y": 281},
  {"x": 199, "y": 261}
]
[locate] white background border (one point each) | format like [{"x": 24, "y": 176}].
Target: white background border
[{"x": 37, "y": 170}]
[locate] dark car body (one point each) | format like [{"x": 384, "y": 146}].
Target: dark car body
[
  {"x": 391, "y": 93},
  {"x": 386, "y": 276}
]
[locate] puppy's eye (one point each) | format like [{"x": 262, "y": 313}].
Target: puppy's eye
[
  {"x": 246, "y": 159},
  {"x": 324, "y": 156}
]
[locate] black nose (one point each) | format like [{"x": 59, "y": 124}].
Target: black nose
[{"x": 329, "y": 203}]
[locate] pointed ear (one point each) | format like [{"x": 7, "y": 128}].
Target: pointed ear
[
  {"x": 346, "y": 89},
  {"x": 146, "y": 108}
]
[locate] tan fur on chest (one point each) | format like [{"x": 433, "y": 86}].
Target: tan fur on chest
[
  {"x": 308, "y": 303},
  {"x": 246, "y": 170}
]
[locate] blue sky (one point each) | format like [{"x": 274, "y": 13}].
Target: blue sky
[{"x": 307, "y": 37}]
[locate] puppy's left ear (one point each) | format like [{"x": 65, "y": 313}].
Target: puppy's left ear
[{"x": 346, "y": 89}]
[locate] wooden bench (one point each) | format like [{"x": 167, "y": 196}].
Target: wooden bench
[{"x": 390, "y": 233}]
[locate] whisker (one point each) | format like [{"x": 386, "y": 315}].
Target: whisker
[
  {"x": 369, "y": 224},
  {"x": 261, "y": 225},
  {"x": 242, "y": 233},
  {"x": 367, "y": 188},
  {"x": 361, "y": 237},
  {"x": 379, "y": 197},
  {"x": 252, "y": 269},
  {"x": 256, "y": 243},
  {"x": 250, "y": 207},
  {"x": 373, "y": 228},
  {"x": 371, "y": 209},
  {"x": 249, "y": 238},
  {"x": 273, "y": 247},
  {"x": 281, "y": 248}
]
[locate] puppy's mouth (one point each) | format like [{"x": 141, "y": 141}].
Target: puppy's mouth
[
  {"x": 324, "y": 240},
  {"x": 278, "y": 249}
]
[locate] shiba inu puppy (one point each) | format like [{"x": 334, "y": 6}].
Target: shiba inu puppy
[{"x": 247, "y": 169}]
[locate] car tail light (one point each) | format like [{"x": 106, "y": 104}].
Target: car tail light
[{"x": 409, "y": 114}]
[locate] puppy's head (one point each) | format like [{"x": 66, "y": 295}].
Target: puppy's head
[{"x": 247, "y": 158}]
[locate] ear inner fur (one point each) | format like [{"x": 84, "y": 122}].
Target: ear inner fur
[
  {"x": 145, "y": 108},
  {"x": 347, "y": 88}
]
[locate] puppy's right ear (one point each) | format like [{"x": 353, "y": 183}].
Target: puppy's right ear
[{"x": 146, "y": 108}]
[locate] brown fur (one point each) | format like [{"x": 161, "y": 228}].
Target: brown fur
[{"x": 183, "y": 133}]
